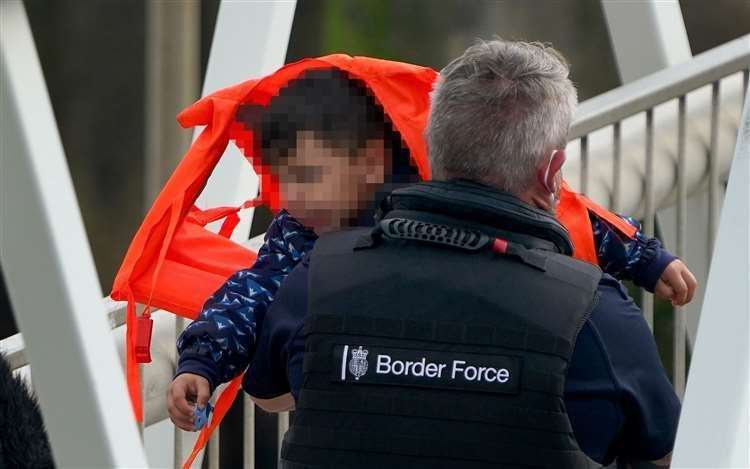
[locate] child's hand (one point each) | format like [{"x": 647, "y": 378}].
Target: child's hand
[
  {"x": 677, "y": 284},
  {"x": 185, "y": 391}
]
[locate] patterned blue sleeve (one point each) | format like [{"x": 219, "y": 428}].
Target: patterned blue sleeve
[
  {"x": 220, "y": 342},
  {"x": 639, "y": 259}
]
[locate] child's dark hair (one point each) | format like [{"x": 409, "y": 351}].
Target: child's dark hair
[{"x": 338, "y": 108}]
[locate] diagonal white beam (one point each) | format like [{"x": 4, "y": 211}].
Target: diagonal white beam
[
  {"x": 647, "y": 36},
  {"x": 50, "y": 272}
]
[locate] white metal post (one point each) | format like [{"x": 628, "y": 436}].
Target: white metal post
[
  {"x": 50, "y": 272},
  {"x": 714, "y": 423}
]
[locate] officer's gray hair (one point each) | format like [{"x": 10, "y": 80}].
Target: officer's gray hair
[{"x": 497, "y": 110}]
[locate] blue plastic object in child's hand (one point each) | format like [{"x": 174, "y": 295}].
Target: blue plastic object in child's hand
[{"x": 201, "y": 416}]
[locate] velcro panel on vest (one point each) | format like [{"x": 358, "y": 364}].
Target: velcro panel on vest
[{"x": 553, "y": 383}]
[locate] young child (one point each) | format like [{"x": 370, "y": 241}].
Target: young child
[{"x": 335, "y": 154}]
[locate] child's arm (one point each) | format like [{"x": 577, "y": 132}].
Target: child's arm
[
  {"x": 219, "y": 344},
  {"x": 642, "y": 260}
]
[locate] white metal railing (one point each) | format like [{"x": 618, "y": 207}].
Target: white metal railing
[
  {"x": 648, "y": 92},
  {"x": 611, "y": 109},
  {"x": 605, "y": 111}
]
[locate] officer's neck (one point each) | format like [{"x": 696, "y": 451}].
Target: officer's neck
[
  {"x": 536, "y": 196},
  {"x": 537, "y": 199}
]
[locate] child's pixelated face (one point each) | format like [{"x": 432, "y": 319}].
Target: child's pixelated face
[{"x": 325, "y": 185}]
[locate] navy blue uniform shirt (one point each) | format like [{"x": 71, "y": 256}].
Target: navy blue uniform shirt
[{"x": 618, "y": 397}]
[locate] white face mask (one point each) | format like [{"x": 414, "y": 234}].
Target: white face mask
[{"x": 554, "y": 190}]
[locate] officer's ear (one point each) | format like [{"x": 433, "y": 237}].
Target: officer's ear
[{"x": 549, "y": 173}]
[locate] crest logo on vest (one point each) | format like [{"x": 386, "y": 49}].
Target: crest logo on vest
[
  {"x": 358, "y": 364},
  {"x": 427, "y": 368}
]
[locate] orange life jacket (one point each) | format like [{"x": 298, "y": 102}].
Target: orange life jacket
[{"x": 175, "y": 263}]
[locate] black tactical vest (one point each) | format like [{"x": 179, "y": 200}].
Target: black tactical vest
[{"x": 425, "y": 348}]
